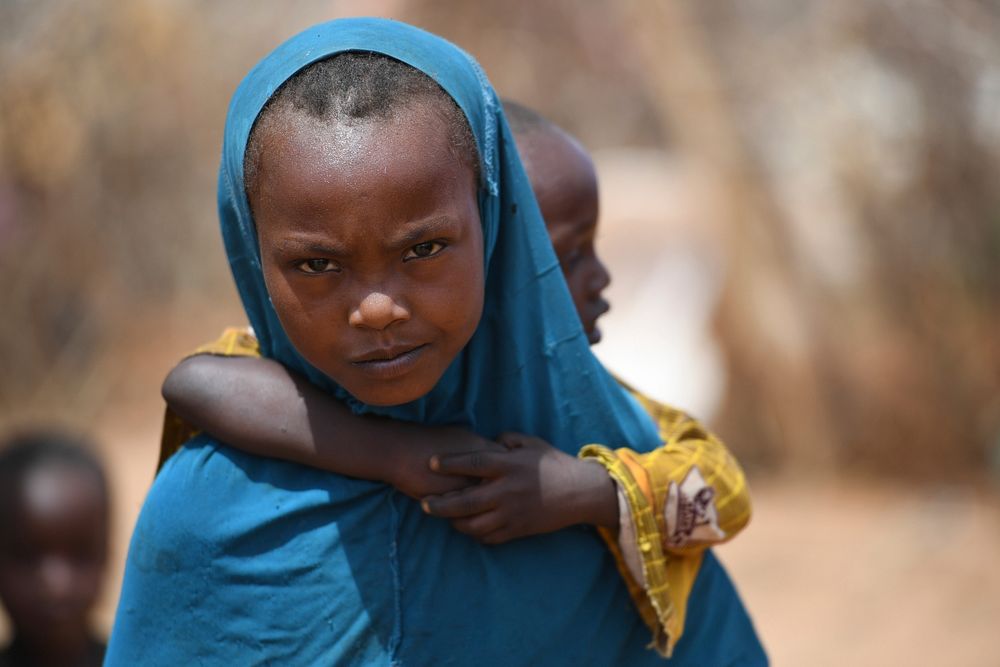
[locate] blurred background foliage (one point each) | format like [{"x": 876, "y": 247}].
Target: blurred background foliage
[
  {"x": 851, "y": 152},
  {"x": 801, "y": 208}
]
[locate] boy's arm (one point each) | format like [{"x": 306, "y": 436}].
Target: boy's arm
[
  {"x": 695, "y": 487},
  {"x": 259, "y": 406},
  {"x": 675, "y": 501},
  {"x": 684, "y": 496},
  {"x": 665, "y": 506},
  {"x": 530, "y": 488}
]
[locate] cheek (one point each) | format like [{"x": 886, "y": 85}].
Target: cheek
[
  {"x": 576, "y": 281},
  {"x": 88, "y": 580},
  {"x": 20, "y": 581},
  {"x": 276, "y": 287},
  {"x": 283, "y": 300},
  {"x": 453, "y": 302},
  {"x": 468, "y": 300},
  {"x": 12, "y": 579},
  {"x": 469, "y": 287},
  {"x": 18, "y": 588},
  {"x": 299, "y": 307}
]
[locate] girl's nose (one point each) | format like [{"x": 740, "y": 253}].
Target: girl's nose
[{"x": 377, "y": 311}]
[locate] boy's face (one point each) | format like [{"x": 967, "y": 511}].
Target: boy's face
[
  {"x": 372, "y": 249},
  {"x": 565, "y": 184},
  {"x": 52, "y": 552}
]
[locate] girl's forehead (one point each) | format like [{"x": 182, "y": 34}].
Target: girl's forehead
[
  {"x": 344, "y": 183},
  {"x": 350, "y": 141},
  {"x": 303, "y": 156}
]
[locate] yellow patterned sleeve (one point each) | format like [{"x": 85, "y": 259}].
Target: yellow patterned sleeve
[
  {"x": 698, "y": 484},
  {"x": 681, "y": 498},
  {"x": 234, "y": 342}
]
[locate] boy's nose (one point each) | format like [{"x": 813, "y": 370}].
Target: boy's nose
[
  {"x": 377, "y": 311},
  {"x": 599, "y": 277}
]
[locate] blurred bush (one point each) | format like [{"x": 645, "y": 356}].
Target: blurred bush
[{"x": 853, "y": 146}]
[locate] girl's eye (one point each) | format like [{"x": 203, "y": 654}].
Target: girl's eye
[
  {"x": 314, "y": 266},
  {"x": 426, "y": 249}
]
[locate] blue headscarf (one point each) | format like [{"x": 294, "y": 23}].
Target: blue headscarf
[
  {"x": 529, "y": 366},
  {"x": 237, "y": 559}
]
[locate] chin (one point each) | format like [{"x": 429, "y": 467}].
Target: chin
[
  {"x": 389, "y": 396},
  {"x": 385, "y": 402}
]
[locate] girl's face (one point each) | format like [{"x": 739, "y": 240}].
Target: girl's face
[{"x": 372, "y": 249}]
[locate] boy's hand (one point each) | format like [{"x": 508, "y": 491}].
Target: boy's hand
[
  {"x": 416, "y": 445},
  {"x": 530, "y": 488}
]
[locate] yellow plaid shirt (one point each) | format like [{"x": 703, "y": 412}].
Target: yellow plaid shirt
[{"x": 681, "y": 498}]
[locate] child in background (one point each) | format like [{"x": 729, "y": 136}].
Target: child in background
[
  {"x": 701, "y": 497},
  {"x": 53, "y": 549}
]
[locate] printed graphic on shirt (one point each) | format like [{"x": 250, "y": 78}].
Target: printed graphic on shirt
[{"x": 690, "y": 511}]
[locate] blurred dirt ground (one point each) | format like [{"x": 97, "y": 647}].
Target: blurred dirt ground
[
  {"x": 863, "y": 573},
  {"x": 834, "y": 572}
]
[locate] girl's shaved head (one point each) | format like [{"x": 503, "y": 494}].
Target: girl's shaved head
[{"x": 353, "y": 88}]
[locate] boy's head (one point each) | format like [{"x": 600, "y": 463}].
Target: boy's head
[
  {"x": 53, "y": 537},
  {"x": 565, "y": 184},
  {"x": 362, "y": 175}
]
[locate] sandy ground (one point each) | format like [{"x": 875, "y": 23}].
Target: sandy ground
[{"x": 860, "y": 574}]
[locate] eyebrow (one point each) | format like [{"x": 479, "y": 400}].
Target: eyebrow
[
  {"x": 409, "y": 233},
  {"x": 311, "y": 247},
  {"x": 414, "y": 232}
]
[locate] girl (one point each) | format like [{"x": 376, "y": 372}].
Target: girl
[
  {"x": 680, "y": 499},
  {"x": 394, "y": 255}
]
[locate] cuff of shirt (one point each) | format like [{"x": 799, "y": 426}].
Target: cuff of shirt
[{"x": 638, "y": 551}]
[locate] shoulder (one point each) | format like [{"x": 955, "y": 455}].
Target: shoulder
[{"x": 666, "y": 417}]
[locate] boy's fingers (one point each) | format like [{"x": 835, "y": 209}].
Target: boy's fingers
[
  {"x": 470, "y": 464},
  {"x": 515, "y": 440},
  {"x": 512, "y": 439},
  {"x": 459, "y": 504},
  {"x": 444, "y": 484},
  {"x": 480, "y": 525},
  {"x": 498, "y": 536}
]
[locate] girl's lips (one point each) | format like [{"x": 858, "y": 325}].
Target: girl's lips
[{"x": 393, "y": 366}]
